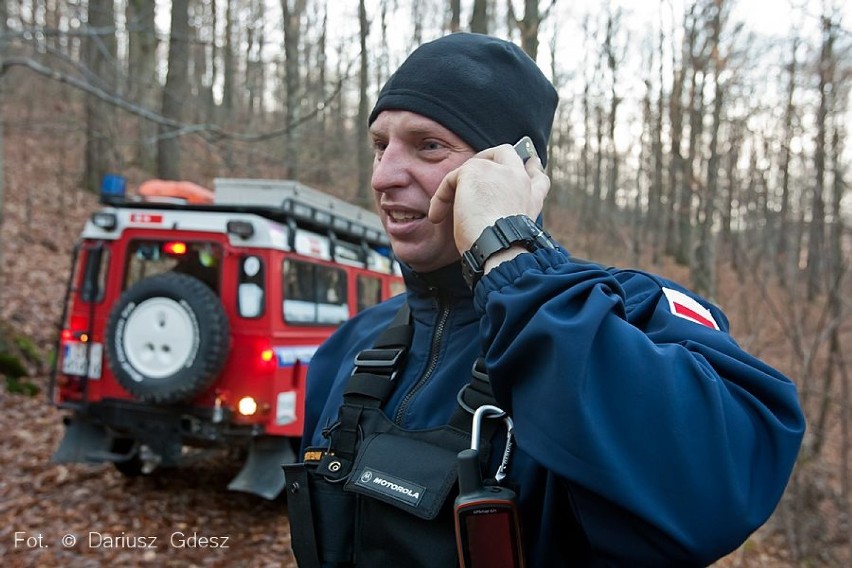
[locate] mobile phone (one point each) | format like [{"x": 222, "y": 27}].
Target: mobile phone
[{"x": 525, "y": 149}]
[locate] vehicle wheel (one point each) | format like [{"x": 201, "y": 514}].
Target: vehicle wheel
[
  {"x": 132, "y": 467},
  {"x": 167, "y": 338}
]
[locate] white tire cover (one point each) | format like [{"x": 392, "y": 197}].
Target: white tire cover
[{"x": 160, "y": 337}]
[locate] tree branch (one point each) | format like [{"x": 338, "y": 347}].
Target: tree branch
[{"x": 209, "y": 131}]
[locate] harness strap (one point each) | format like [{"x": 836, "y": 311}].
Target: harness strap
[
  {"x": 347, "y": 435},
  {"x": 304, "y": 541},
  {"x": 374, "y": 376},
  {"x": 373, "y": 380}
]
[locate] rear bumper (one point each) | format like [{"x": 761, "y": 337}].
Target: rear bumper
[
  {"x": 152, "y": 424},
  {"x": 92, "y": 429}
]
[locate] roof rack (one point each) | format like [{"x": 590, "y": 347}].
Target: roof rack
[{"x": 301, "y": 202}]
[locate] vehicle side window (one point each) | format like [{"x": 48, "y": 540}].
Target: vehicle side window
[
  {"x": 369, "y": 291},
  {"x": 314, "y": 293},
  {"x": 94, "y": 274}
]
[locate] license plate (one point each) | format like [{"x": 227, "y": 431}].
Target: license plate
[{"x": 74, "y": 356}]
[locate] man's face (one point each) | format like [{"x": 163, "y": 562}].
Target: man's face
[{"x": 412, "y": 154}]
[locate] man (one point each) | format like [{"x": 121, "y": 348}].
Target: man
[{"x": 643, "y": 434}]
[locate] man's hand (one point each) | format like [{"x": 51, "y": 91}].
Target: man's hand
[{"x": 492, "y": 184}]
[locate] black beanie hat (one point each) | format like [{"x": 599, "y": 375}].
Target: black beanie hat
[{"x": 484, "y": 89}]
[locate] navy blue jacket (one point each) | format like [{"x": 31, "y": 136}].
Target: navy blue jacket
[{"x": 645, "y": 436}]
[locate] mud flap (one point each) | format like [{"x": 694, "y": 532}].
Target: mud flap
[
  {"x": 262, "y": 474},
  {"x": 83, "y": 441}
]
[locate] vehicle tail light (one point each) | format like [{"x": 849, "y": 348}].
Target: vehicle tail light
[
  {"x": 71, "y": 335},
  {"x": 175, "y": 248},
  {"x": 265, "y": 357}
]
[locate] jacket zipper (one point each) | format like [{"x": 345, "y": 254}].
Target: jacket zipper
[{"x": 435, "y": 350}]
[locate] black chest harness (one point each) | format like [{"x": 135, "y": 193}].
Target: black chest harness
[{"x": 377, "y": 494}]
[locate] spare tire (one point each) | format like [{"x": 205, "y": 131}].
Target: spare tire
[{"x": 167, "y": 338}]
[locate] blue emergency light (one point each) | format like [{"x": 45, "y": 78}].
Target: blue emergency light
[{"x": 113, "y": 188}]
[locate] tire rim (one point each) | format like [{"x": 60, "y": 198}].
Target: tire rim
[{"x": 159, "y": 338}]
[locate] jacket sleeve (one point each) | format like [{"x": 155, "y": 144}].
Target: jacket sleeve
[{"x": 675, "y": 444}]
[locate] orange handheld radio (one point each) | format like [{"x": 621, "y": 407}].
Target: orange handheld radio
[{"x": 488, "y": 528}]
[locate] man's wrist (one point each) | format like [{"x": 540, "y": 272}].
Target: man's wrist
[
  {"x": 500, "y": 257},
  {"x": 507, "y": 237}
]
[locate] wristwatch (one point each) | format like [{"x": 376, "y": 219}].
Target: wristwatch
[{"x": 505, "y": 233}]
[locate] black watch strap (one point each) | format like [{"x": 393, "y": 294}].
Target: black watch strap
[{"x": 505, "y": 233}]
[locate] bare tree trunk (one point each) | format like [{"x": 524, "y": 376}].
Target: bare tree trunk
[
  {"x": 254, "y": 61},
  {"x": 228, "y": 58},
  {"x": 142, "y": 74},
  {"x": 727, "y": 201},
  {"x": 645, "y": 172},
  {"x": 612, "y": 61},
  {"x": 213, "y": 54},
  {"x": 364, "y": 157},
  {"x": 479, "y": 17},
  {"x": 322, "y": 67},
  {"x": 528, "y": 25},
  {"x": 587, "y": 133},
  {"x": 292, "y": 40},
  {"x": 340, "y": 107},
  {"x": 656, "y": 215},
  {"x": 689, "y": 183},
  {"x": 785, "y": 258},
  {"x": 836, "y": 260},
  {"x": 381, "y": 60},
  {"x": 676, "y": 162},
  {"x": 417, "y": 16},
  {"x": 816, "y": 234},
  {"x": 175, "y": 93},
  {"x": 455, "y": 15},
  {"x": 560, "y": 171},
  {"x": 597, "y": 193},
  {"x": 100, "y": 55},
  {"x": 704, "y": 261},
  {"x": 205, "y": 53}
]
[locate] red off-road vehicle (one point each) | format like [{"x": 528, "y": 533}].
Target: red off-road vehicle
[{"x": 190, "y": 322}]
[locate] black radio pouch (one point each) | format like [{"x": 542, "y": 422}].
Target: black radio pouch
[
  {"x": 418, "y": 484},
  {"x": 313, "y": 502},
  {"x": 403, "y": 480},
  {"x": 397, "y": 489}
]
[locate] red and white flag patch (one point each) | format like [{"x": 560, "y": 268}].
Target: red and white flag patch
[{"x": 688, "y": 308}]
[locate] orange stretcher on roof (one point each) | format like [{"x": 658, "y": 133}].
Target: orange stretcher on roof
[{"x": 191, "y": 192}]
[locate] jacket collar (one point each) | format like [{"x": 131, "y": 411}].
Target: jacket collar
[{"x": 447, "y": 279}]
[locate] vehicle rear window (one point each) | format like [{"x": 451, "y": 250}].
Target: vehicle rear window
[{"x": 148, "y": 258}]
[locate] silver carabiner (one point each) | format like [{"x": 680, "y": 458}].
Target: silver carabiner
[{"x": 492, "y": 411}]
